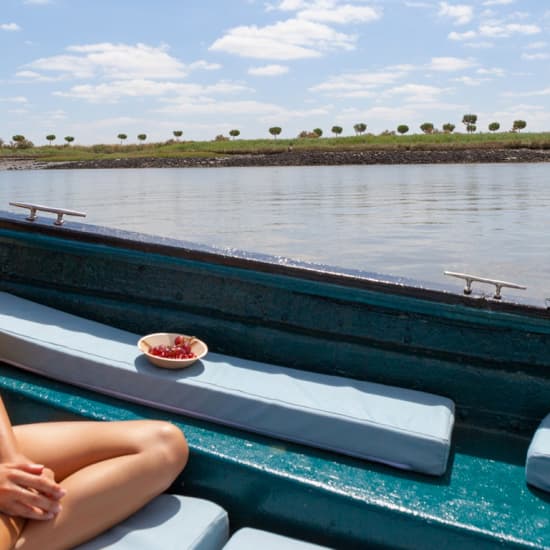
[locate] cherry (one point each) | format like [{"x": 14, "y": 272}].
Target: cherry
[{"x": 180, "y": 350}]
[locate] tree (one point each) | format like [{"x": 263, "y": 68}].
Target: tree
[
  {"x": 69, "y": 139},
  {"x": 275, "y": 131},
  {"x": 122, "y": 137},
  {"x": 177, "y": 134},
  {"x": 142, "y": 137},
  {"x": 336, "y": 130},
  {"x": 21, "y": 142},
  {"x": 494, "y": 126},
  {"x": 518, "y": 125},
  {"x": 50, "y": 138},
  {"x": 318, "y": 132},
  {"x": 402, "y": 129},
  {"x": 360, "y": 128},
  {"x": 469, "y": 120},
  {"x": 427, "y": 127},
  {"x": 448, "y": 128},
  {"x": 234, "y": 133}
]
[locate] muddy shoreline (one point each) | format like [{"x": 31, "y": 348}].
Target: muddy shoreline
[{"x": 297, "y": 158}]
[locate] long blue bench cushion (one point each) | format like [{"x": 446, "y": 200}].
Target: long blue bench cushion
[
  {"x": 169, "y": 522},
  {"x": 255, "y": 539},
  {"x": 537, "y": 466},
  {"x": 404, "y": 428}
]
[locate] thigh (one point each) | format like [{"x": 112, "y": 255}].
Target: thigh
[
  {"x": 10, "y": 529},
  {"x": 66, "y": 447}
]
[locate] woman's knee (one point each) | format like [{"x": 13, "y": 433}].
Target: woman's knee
[{"x": 170, "y": 447}]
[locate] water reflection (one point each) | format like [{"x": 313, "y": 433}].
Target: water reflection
[{"x": 414, "y": 221}]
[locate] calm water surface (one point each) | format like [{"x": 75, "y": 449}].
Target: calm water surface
[{"x": 413, "y": 221}]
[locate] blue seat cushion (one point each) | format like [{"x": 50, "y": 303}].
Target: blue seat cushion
[
  {"x": 537, "y": 466},
  {"x": 254, "y": 539},
  {"x": 169, "y": 522},
  {"x": 404, "y": 428}
]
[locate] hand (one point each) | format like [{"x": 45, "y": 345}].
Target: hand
[{"x": 29, "y": 491}]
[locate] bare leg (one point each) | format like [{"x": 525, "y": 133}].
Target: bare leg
[
  {"x": 10, "y": 529},
  {"x": 109, "y": 469}
]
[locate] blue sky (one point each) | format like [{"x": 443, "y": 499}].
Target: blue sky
[{"x": 96, "y": 68}]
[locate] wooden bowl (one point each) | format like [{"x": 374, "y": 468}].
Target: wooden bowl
[{"x": 145, "y": 344}]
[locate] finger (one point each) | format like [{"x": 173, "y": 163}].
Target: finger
[
  {"x": 39, "y": 483},
  {"x": 30, "y": 468},
  {"x": 37, "y": 501},
  {"x": 19, "y": 509}
]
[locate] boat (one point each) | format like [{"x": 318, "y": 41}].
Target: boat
[{"x": 489, "y": 356}]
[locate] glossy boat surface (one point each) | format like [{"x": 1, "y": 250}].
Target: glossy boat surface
[{"x": 491, "y": 357}]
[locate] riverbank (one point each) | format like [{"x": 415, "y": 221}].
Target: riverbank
[{"x": 295, "y": 158}]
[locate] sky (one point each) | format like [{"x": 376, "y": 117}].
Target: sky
[{"x": 93, "y": 69}]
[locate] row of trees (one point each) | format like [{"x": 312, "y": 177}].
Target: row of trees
[
  {"x": 469, "y": 120},
  {"x": 141, "y": 137}
]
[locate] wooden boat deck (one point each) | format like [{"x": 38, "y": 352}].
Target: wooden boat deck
[{"x": 482, "y": 502}]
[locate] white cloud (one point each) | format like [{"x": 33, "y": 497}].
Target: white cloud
[
  {"x": 268, "y": 70},
  {"x": 468, "y": 35},
  {"x": 340, "y": 14},
  {"x": 498, "y": 2},
  {"x": 204, "y": 65},
  {"x": 494, "y": 71},
  {"x": 461, "y": 13},
  {"x": 10, "y": 27},
  {"x": 257, "y": 109},
  {"x": 38, "y": 2},
  {"x": 543, "y": 92},
  {"x": 536, "y": 45},
  {"x": 450, "y": 64},
  {"x": 469, "y": 81},
  {"x": 388, "y": 115},
  {"x": 35, "y": 77},
  {"x": 329, "y": 11},
  {"x": 428, "y": 107},
  {"x": 353, "y": 84},
  {"x": 417, "y": 4},
  {"x": 285, "y": 40},
  {"x": 503, "y": 31},
  {"x": 535, "y": 56},
  {"x": 416, "y": 92},
  {"x": 14, "y": 99},
  {"x": 120, "y": 61},
  {"x": 479, "y": 45},
  {"x": 291, "y": 5},
  {"x": 111, "y": 92}
]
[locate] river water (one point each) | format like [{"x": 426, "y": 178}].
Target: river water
[{"x": 415, "y": 221}]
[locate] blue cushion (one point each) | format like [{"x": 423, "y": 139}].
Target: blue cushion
[
  {"x": 169, "y": 522},
  {"x": 537, "y": 467},
  {"x": 404, "y": 428},
  {"x": 254, "y": 539}
]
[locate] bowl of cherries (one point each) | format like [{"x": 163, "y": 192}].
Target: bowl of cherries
[{"x": 172, "y": 351}]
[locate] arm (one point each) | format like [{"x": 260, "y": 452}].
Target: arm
[{"x": 27, "y": 489}]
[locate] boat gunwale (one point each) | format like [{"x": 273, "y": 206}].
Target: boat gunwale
[{"x": 263, "y": 263}]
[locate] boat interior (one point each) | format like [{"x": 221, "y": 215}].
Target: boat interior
[{"x": 315, "y": 475}]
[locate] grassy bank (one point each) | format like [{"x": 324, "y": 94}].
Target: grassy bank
[{"x": 420, "y": 142}]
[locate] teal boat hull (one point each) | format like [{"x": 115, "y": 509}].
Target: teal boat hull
[{"x": 491, "y": 358}]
